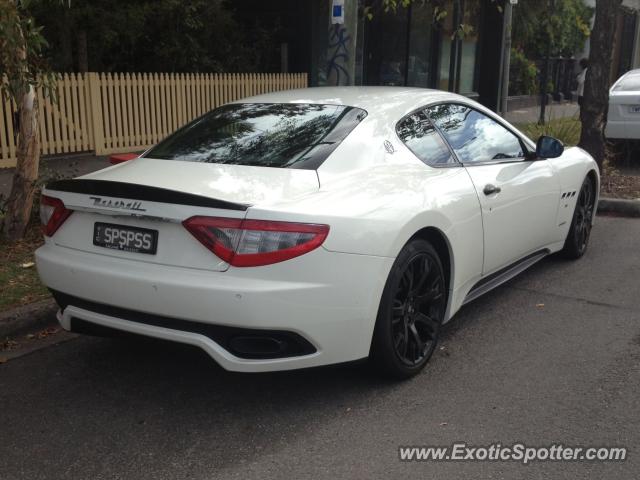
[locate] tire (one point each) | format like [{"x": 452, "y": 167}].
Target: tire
[
  {"x": 411, "y": 311},
  {"x": 578, "y": 237}
]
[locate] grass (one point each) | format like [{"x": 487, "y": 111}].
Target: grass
[
  {"x": 567, "y": 130},
  {"x": 19, "y": 282}
]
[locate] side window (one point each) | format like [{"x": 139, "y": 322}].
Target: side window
[
  {"x": 417, "y": 133},
  {"x": 474, "y": 136}
]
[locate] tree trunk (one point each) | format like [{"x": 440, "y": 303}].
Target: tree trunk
[
  {"x": 20, "y": 201},
  {"x": 593, "y": 114}
]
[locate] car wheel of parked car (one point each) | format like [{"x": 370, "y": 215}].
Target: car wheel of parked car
[
  {"x": 411, "y": 312},
  {"x": 578, "y": 238}
]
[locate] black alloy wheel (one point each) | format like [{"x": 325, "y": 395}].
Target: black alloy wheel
[
  {"x": 578, "y": 238},
  {"x": 411, "y": 311}
]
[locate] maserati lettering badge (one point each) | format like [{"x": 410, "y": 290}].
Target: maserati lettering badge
[{"x": 121, "y": 204}]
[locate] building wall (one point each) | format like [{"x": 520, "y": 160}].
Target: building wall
[
  {"x": 404, "y": 48},
  {"x": 334, "y": 45}
]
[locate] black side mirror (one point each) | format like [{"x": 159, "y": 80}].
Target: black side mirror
[{"x": 549, "y": 147}]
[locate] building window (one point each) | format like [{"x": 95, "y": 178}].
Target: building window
[
  {"x": 469, "y": 47},
  {"x": 386, "y": 48},
  {"x": 419, "y": 65},
  {"x": 446, "y": 44},
  {"x": 407, "y": 48}
]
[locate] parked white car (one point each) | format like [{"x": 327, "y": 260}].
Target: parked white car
[
  {"x": 313, "y": 227},
  {"x": 623, "y": 121}
]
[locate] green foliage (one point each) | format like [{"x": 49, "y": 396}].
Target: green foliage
[
  {"x": 157, "y": 36},
  {"x": 392, "y": 6},
  {"x": 524, "y": 74},
  {"x": 440, "y": 12},
  {"x": 550, "y": 27},
  {"x": 21, "y": 47}
]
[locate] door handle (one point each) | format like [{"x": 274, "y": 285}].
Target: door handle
[{"x": 490, "y": 189}]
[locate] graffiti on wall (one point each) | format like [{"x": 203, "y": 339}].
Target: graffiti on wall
[{"x": 337, "y": 72}]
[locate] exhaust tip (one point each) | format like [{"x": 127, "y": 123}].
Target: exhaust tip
[{"x": 254, "y": 346}]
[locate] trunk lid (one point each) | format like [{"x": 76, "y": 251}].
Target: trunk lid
[
  {"x": 233, "y": 183},
  {"x": 160, "y": 194},
  {"x": 624, "y": 106}
]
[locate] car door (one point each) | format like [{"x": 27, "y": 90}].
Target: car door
[{"x": 519, "y": 196}]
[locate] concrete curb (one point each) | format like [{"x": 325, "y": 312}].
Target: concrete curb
[
  {"x": 619, "y": 206},
  {"x": 27, "y": 317}
]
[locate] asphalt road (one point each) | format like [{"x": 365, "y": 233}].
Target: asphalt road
[{"x": 552, "y": 357}]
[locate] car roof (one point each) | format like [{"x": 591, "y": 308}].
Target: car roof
[
  {"x": 391, "y": 103},
  {"x": 371, "y": 99},
  {"x": 632, "y": 73}
]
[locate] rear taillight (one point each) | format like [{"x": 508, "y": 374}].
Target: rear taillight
[
  {"x": 250, "y": 243},
  {"x": 53, "y": 213}
]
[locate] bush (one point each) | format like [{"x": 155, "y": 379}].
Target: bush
[
  {"x": 567, "y": 130},
  {"x": 523, "y": 78},
  {"x": 543, "y": 27}
]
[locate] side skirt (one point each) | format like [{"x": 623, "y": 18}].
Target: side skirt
[{"x": 503, "y": 275}]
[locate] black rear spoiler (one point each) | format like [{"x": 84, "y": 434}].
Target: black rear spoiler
[{"x": 134, "y": 191}]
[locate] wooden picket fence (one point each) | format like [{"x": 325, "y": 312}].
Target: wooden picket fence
[{"x": 113, "y": 113}]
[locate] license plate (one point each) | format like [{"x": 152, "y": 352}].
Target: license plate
[
  {"x": 128, "y": 239},
  {"x": 634, "y": 109}
]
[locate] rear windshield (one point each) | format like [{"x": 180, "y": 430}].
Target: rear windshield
[
  {"x": 630, "y": 83},
  {"x": 284, "y": 135}
]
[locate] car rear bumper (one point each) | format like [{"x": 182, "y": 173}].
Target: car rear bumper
[
  {"x": 623, "y": 130},
  {"x": 616, "y": 130},
  {"x": 323, "y": 299}
]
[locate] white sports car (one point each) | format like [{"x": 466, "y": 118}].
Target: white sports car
[{"x": 313, "y": 226}]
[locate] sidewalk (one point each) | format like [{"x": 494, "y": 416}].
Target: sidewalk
[
  {"x": 58, "y": 167},
  {"x": 554, "y": 110}
]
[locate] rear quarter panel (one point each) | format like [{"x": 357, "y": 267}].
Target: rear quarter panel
[{"x": 376, "y": 211}]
